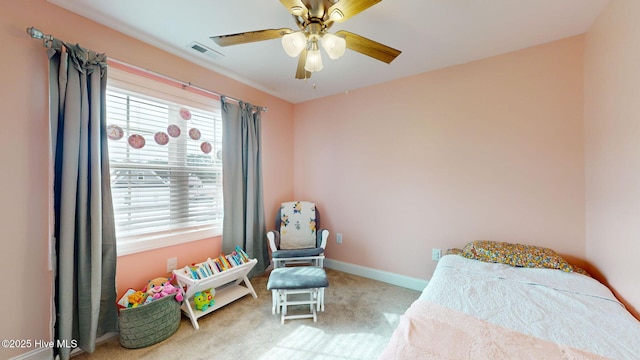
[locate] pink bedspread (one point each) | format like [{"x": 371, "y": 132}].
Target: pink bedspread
[{"x": 431, "y": 331}]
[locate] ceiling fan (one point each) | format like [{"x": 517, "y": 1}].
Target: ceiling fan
[{"x": 314, "y": 18}]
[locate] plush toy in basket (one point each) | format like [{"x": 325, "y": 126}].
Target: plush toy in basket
[
  {"x": 132, "y": 299},
  {"x": 160, "y": 287},
  {"x": 156, "y": 289},
  {"x": 136, "y": 298}
]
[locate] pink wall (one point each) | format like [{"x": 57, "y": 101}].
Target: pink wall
[
  {"x": 24, "y": 157},
  {"x": 24, "y": 179},
  {"x": 487, "y": 150},
  {"x": 612, "y": 133}
]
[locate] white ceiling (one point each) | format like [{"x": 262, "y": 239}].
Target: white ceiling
[{"x": 431, "y": 34}]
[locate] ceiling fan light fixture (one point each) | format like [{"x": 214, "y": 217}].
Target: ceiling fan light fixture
[
  {"x": 334, "y": 45},
  {"x": 336, "y": 15},
  {"x": 297, "y": 10},
  {"x": 314, "y": 18},
  {"x": 293, "y": 43},
  {"x": 314, "y": 59}
]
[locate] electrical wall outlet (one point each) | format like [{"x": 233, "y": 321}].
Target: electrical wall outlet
[
  {"x": 436, "y": 254},
  {"x": 339, "y": 238},
  {"x": 172, "y": 264}
]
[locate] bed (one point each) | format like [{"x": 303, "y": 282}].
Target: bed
[{"x": 494, "y": 300}]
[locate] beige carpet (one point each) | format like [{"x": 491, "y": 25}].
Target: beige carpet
[{"x": 359, "y": 318}]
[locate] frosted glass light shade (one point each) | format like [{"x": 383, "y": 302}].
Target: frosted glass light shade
[
  {"x": 336, "y": 15},
  {"x": 314, "y": 60},
  {"x": 333, "y": 45},
  {"x": 293, "y": 43},
  {"x": 297, "y": 10}
]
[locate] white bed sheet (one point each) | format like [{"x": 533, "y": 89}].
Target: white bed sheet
[{"x": 566, "y": 308}]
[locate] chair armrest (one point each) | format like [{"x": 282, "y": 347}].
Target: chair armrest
[
  {"x": 274, "y": 240},
  {"x": 321, "y": 238}
]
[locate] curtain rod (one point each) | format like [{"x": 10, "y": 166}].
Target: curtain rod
[
  {"x": 47, "y": 40},
  {"x": 183, "y": 83}
]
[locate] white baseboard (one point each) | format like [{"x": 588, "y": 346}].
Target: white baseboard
[{"x": 380, "y": 275}]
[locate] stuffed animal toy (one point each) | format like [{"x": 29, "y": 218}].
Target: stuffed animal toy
[
  {"x": 160, "y": 287},
  {"x": 159, "y": 281},
  {"x": 137, "y": 298},
  {"x": 170, "y": 289},
  {"x": 155, "y": 288}
]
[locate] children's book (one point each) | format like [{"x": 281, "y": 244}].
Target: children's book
[{"x": 242, "y": 253}]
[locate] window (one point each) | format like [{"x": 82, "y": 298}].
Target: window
[{"x": 165, "y": 162}]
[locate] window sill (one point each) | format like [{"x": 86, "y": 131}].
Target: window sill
[{"x": 142, "y": 243}]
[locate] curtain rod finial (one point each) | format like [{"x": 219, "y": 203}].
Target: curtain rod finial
[{"x": 35, "y": 33}]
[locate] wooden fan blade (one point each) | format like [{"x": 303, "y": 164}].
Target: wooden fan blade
[
  {"x": 301, "y": 73},
  {"x": 349, "y": 8},
  {"x": 296, "y": 7},
  {"x": 368, "y": 47},
  {"x": 250, "y": 36}
]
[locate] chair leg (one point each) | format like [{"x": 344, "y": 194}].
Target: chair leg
[
  {"x": 274, "y": 301},
  {"x": 313, "y": 310},
  {"x": 312, "y": 296},
  {"x": 284, "y": 303}
]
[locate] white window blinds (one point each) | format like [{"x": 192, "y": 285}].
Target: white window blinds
[{"x": 165, "y": 164}]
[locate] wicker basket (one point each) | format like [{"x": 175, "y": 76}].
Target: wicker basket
[{"x": 149, "y": 324}]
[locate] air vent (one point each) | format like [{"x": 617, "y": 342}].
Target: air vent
[
  {"x": 198, "y": 48},
  {"x": 205, "y": 50}
]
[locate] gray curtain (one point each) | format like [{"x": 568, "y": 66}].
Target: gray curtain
[
  {"x": 85, "y": 265},
  {"x": 244, "y": 223}
]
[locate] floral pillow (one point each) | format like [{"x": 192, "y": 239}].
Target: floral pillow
[
  {"x": 453, "y": 251},
  {"x": 516, "y": 255}
]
